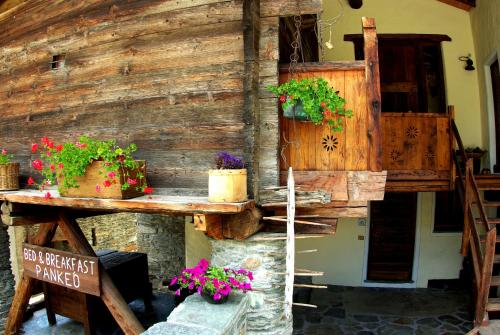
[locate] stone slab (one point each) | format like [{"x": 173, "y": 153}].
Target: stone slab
[{"x": 195, "y": 316}]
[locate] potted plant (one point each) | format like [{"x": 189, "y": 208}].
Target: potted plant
[
  {"x": 213, "y": 283},
  {"x": 90, "y": 168},
  {"x": 312, "y": 99},
  {"x": 228, "y": 182},
  {"x": 9, "y": 172}
]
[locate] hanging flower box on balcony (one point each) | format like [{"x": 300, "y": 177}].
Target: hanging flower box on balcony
[{"x": 90, "y": 169}]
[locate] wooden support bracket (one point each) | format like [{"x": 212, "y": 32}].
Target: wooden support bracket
[{"x": 235, "y": 226}]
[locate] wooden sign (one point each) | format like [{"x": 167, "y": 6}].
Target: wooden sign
[{"x": 76, "y": 272}]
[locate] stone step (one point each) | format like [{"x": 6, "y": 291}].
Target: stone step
[
  {"x": 493, "y": 305},
  {"x": 495, "y": 281}
]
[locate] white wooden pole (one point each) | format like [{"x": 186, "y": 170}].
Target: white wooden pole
[{"x": 290, "y": 245}]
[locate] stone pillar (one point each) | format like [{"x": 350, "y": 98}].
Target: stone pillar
[
  {"x": 6, "y": 278},
  {"x": 267, "y": 260},
  {"x": 163, "y": 239}
]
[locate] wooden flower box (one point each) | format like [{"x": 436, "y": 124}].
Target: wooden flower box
[{"x": 91, "y": 185}]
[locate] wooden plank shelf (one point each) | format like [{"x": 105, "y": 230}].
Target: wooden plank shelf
[{"x": 160, "y": 203}]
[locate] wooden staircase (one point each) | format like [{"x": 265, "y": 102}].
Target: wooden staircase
[{"x": 480, "y": 237}]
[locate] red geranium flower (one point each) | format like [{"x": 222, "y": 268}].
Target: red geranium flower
[
  {"x": 31, "y": 181},
  {"x": 34, "y": 147},
  {"x": 47, "y": 195},
  {"x": 59, "y": 148},
  {"x": 148, "y": 190},
  {"x": 323, "y": 104},
  {"x": 107, "y": 183},
  {"x": 37, "y": 164},
  {"x": 282, "y": 98}
]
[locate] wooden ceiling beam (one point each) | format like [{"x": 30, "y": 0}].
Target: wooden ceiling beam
[{"x": 466, "y": 5}]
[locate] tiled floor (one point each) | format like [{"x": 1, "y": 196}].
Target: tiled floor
[
  {"x": 163, "y": 304},
  {"x": 366, "y": 311},
  {"x": 341, "y": 310}
]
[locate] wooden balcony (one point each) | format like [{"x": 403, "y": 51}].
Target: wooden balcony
[{"x": 416, "y": 151}]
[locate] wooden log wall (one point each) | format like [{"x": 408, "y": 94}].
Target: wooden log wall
[
  {"x": 268, "y": 153},
  {"x": 177, "y": 77}
]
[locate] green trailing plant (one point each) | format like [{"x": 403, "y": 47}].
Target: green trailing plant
[
  {"x": 65, "y": 162},
  {"x": 5, "y": 157},
  {"x": 319, "y": 100}
]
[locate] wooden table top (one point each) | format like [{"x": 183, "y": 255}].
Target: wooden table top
[{"x": 162, "y": 202}]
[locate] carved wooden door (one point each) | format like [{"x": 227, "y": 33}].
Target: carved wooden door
[{"x": 392, "y": 238}]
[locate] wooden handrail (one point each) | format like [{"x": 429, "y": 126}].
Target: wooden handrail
[{"x": 482, "y": 258}]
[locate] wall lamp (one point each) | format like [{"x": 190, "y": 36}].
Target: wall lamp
[
  {"x": 356, "y": 4},
  {"x": 469, "y": 64}
]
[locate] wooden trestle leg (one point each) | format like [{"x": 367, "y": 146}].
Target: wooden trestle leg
[
  {"x": 109, "y": 293},
  {"x": 25, "y": 288}
]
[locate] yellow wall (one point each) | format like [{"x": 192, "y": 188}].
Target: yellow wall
[
  {"x": 340, "y": 256},
  {"x": 197, "y": 246},
  {"x": 421, "y": 17},
  {"x": 485, "y": 21},
  {"x": 438, "y": 253}
]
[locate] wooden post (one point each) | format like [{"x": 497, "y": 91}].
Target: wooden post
[
  {"x": 484, "y": 287},
  {"x": 290, "y": 246},
  {"x": 453, "y": 174},
  {"x": 110, "y": 295},
  {"x": 26, "y": 286},
  {"x": 467, "y": 190},
  {"x": 373, "y": 94}
]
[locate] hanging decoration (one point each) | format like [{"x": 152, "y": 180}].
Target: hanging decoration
[{"x": 324, "y": 28}]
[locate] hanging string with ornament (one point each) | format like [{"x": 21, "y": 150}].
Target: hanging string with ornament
[
  {"x": 292, "y": 74},
  {"x": 324, "y": 29}
]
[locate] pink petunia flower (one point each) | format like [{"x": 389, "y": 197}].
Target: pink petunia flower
[
  {"x": 98, "y": 188},
  {"x": 132, "y": 181},
  {"x": 47, "y": 195}
]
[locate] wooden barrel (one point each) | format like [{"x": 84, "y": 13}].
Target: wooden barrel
[
  {"x": 227, "y": 185},
  {"x": 9, "y": 176}
]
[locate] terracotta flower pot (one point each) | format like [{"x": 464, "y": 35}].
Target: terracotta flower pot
[
  {"x": 227, "y": 185},
  {"x": 9, "y": 177}
]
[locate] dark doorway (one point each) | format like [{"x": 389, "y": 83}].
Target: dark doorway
[
  {"x": 495, "y": 85},
  {"x": 411, "y": 71},
  {"x": 309, "y": 42},
  {"x": 392, "y": 238}
]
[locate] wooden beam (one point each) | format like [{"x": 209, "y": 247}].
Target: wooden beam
[
  {"x": 426, "y": 37},
  {"x": 466, "y": 5},
  {"x": 110, "y": 295},
  {"x": 372, "y": 74},
  {"x": 243, "y": 225}
]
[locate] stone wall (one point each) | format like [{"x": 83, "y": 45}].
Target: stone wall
[
  {"x": 267, "y": 260},
  {"x": 6, "y": 277},
  {"x": 113, "y": 231},
  {"x": 163, "y": 239}
]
